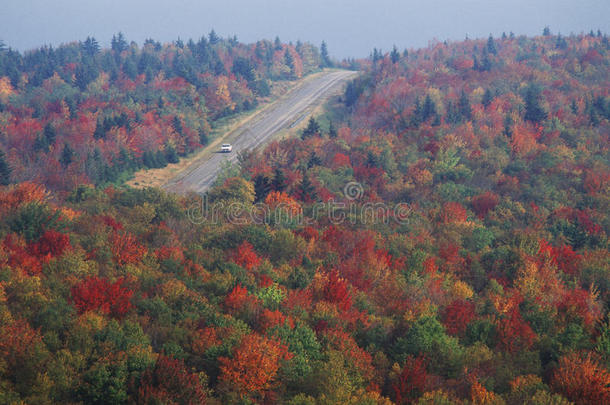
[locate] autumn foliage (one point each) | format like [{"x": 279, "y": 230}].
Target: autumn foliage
[
  {"x": 100, "y": 294},
  {"x": 254, "y": 365}
]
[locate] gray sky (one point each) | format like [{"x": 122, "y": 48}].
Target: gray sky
[{"x": 350, "y": 27}]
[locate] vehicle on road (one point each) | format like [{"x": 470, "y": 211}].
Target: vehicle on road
[{"x": 226, "y": 148}]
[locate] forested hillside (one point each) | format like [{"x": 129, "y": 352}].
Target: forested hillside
[
  {"x": 81, "y": 114},
  {"x": 441, "y": 237}
]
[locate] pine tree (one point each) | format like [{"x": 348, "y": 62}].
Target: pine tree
[
  {"x": 464, "y": 107},
  {"x": 313, "y": 128},
  {"x": 170, "y": 154},
  {"x": 177, "y": 125},
  {"x": 118, "y": 43},
  {"x": 324, "y": 57},
  {"x": 5, "y": 170},
  {"x": 67, "y": 156},
  {"x": 213, "y": 38},
  {"x": 491, "y": 45},
  {"x": 99, "y": 131},
  {"x": 306, "y": 189},
  {"x": 394, "y": 55},
  {"x": 533, "y": 109},
  {"x": 49, "y": 133},
  {"x": 429, "y": 108},
  {"x": 487, "y": 98},
  {"x": 90, "y": 47},
  {"x": 279, "y": 180},
  {"x": 203, "y": 137},
  {"x": 262, "y": 186},
  {"x": 289, "y": 60},
  {"x": 332, "y": 131}
]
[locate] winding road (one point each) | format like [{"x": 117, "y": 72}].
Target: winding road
[{"x": 284, "y": 113}]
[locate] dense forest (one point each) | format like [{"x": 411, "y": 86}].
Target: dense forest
[
  {"x": 465, "y": 261},
  {"x": 81, "y": 114}
]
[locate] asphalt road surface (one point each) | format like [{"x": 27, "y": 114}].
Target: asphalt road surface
[{"x": 284, "y": 113}]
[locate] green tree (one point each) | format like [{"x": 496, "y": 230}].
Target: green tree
[
  {"x": 67, "y": 156},
  {"x": 313, "y": 128},
  {"x": 464, "y": 106},
  {"x": 533, "y": 108},
  {"x": 5, "y": 170},
  {"x": 324, "y": 57},
  {"x": 118, "y": 43},
  {"x": 279, "y": 180},
  {"x": 491, "y": 45},
  {"x": 332, "y": 131},
  {"x": 99, "y": 131},
  {"x": 394, "y": 55},
  {"x": 306, "y": 189},
  {"x": 90, "y": 46}
]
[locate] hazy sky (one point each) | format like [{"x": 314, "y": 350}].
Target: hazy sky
[{"x": 350, "y": 27}]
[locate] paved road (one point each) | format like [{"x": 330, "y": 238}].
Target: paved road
[{"x": 284, "y": 113}]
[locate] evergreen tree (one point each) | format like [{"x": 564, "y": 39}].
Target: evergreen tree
[
  {"x": 277, "y": 44},
  {"x": 491, "y": 45},
  {"x": 313, "y": 128},
  {"x": 99, "y": 131},
  {"x": 547, "y": 31},
  {"x": 487, "y": 98},
  {"x": 533, "y": 109},
  {"x": 314, "y": 160},
  {"x": 90, "y": 47},
  {"x": 170, "y": 154},
  {"x": 5, "y": 170},
  {"x": 332, "y": 131},
  {"x": 394, "y": 55},
  {"x": 203, "y": 137},
  {"x": 464, "y": 107},
  {"x": 428, "y": 109},
  {"x": 118, "y": 43},
  {"x": 508, "y": 126},
  {"x": 417, "y": 117},
  {"x": 289, "y": 60},
  {"x": 177, "y": 125},
  {"x": 306, "y": 189},
  {"x": 49, "y": 133},
  {"x": 279, "y": 180},
  {"x": 41, "y": 144},
  {"x": 453, "y": 115},
  {"x": 67, "y": 156},
  {"x": 213, "y": 38},
  {"x": 324, "y": 57},
  {"x": 262, "y": 186}
]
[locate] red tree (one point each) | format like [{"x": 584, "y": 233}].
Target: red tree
[
  {"x": 99, "y": 294},
  {"x": 254, "y": 365},
  {"x": 336, "y": 291},
  {"x": 457, "y": 316},
  {"x": 411, "y": 383},
  {"x": 582, "y": 379},
  {"x": 51, "y": 244},
  {"x": 484, "y": 203},
  {"x": 170, "y": 383},
  {"x": 245, "y": 256},
  {"x": 125, "y": 248}
]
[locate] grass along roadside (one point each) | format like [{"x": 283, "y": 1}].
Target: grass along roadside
[{"x": 224, "y": 130}]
